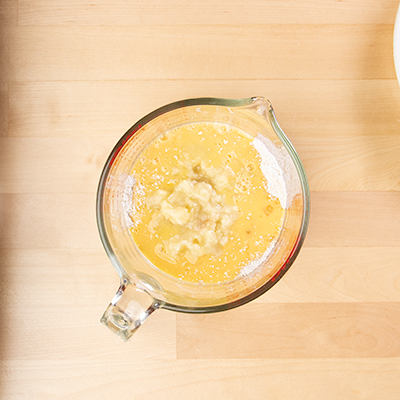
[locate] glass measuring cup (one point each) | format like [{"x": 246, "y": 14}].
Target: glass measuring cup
[{"x": 144, "y": 288}]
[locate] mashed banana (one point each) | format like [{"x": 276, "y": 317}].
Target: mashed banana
[{"x": 196, "y": 207}]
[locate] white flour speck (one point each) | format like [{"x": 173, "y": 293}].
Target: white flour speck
[
  {"x": 249, "y": 268},
  {"x": 278, "y": 169},
  {"x": 282, "y": 183},
  {"x": 127, "y": 200}
]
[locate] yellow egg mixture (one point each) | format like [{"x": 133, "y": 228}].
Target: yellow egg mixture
[{"x": 201, "y": 210}]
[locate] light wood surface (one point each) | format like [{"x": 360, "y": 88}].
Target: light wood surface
[{"x": 75, "y": 75}]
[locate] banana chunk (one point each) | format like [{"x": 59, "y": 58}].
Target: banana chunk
[
  {"x": 199, "y": 210},
  {"x": 154, "y": 201},
  {"x": 177, "y": 215}
]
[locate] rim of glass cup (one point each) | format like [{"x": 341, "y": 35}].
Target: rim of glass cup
[{"x": 217, "y": 102}]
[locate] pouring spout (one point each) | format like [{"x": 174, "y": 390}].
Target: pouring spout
[{"x": 261, "y": 106}]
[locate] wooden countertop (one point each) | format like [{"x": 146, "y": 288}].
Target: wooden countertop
[{"x": 75, "y": 75}]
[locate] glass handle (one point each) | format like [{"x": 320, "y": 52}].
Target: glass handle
[{"x": 127, "y": 311}]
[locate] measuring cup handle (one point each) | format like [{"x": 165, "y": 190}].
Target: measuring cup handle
[{"x": 129, "y": 308}]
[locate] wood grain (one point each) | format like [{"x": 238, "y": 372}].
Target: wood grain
[
  {"x": 3, "y": 109},
  {"x": 8, "y": 13},
  {"x": 53, "y": 165},
  {"x": 157, "y": 12},
  {"x": 340, "y": 274},
  {"x": 304, "y": 108},
  {"x": 326, "y": 274},
  {"x": 74, "y": 76},
  {"x": 306, "y": 330},
  {"x": 70, "y": 290},
  {"x": 354, "y": 219},
  {"x": 48, "y": 221},
  {"x": 67, "y": 220},
  {"x": 65, "y": 165},
  {"x": 368, "y": 163},
  {"x": 230, "y": 379},
  {"x": 198, "y": 379},
  {"x": 75, "y": 334},
  {"x": 199, "y": 52}
]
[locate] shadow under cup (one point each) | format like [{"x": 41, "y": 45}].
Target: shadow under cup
[{"x": 145, "y": 288}]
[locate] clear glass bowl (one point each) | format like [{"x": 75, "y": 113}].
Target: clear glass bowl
[{"x": 144, "y": 288}]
